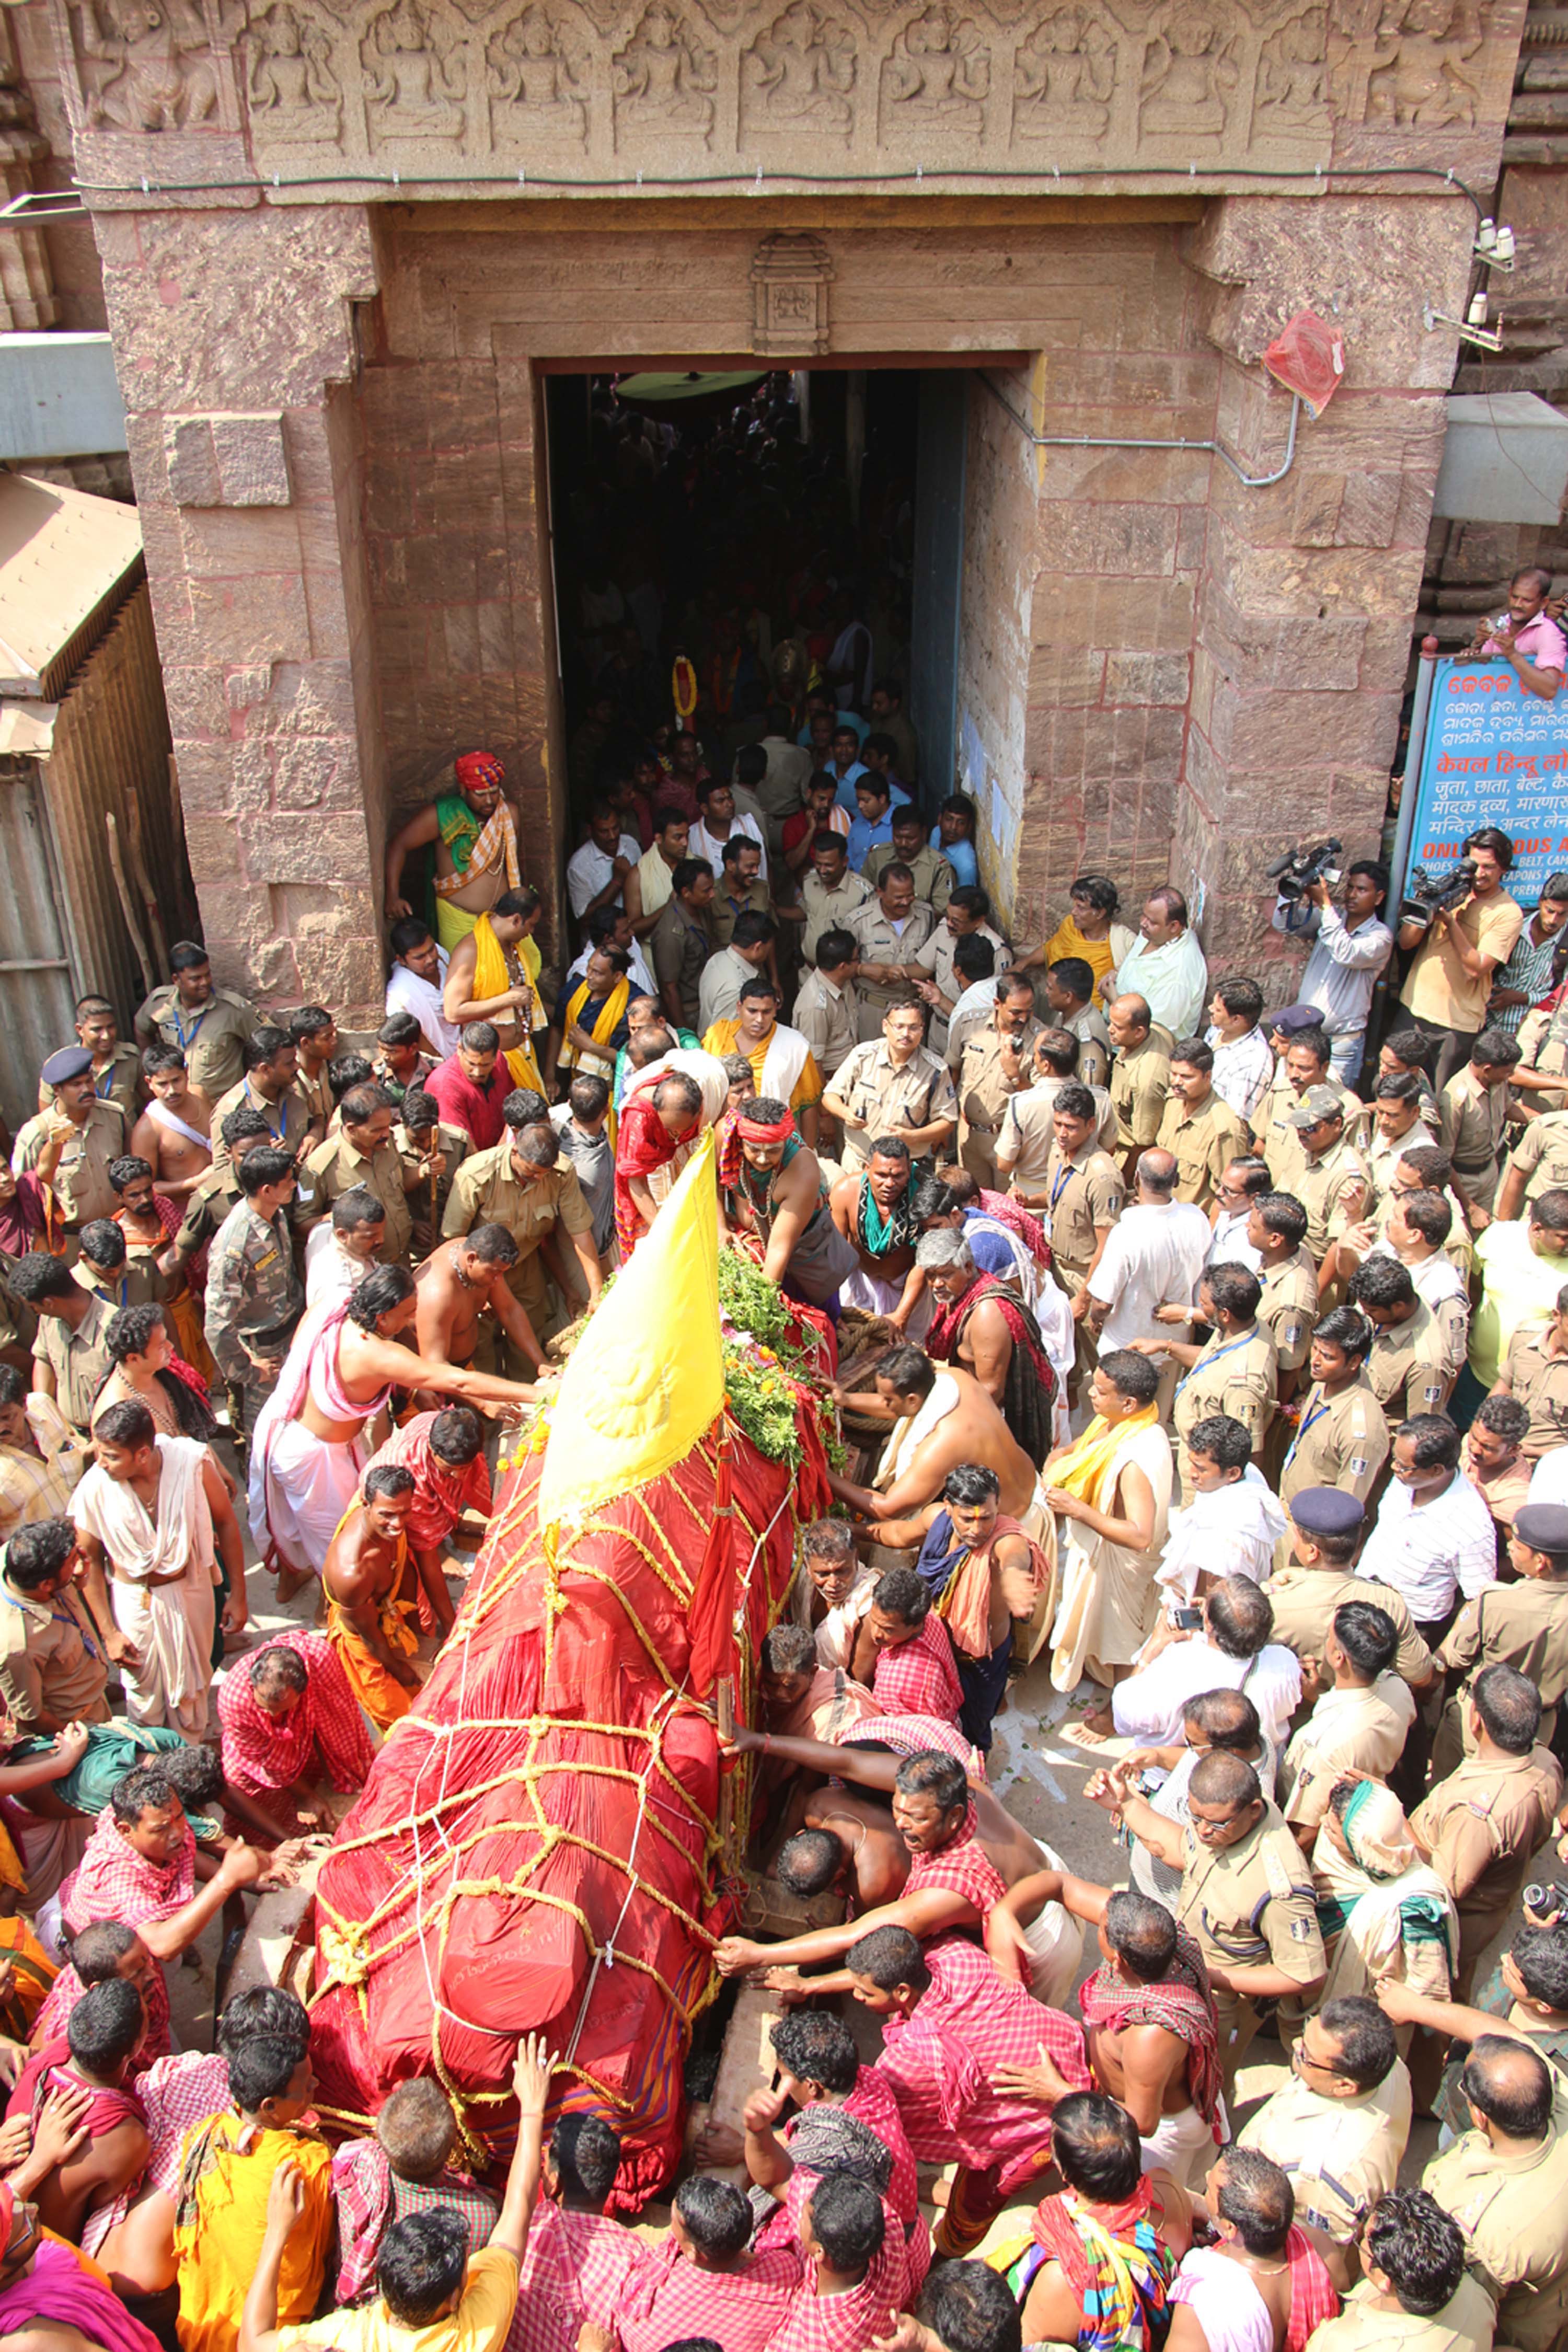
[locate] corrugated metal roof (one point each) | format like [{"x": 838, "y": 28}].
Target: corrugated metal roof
[{"x": 65, "y": 565}]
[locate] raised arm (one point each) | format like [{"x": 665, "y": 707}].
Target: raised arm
[{"x": 417, "y": 833}]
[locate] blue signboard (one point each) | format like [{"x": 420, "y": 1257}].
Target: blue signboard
[{"x": 1493, "y": 755}]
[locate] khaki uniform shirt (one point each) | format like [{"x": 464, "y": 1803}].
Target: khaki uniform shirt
[
  {"x": 1523, "y": 1625},
  {"x": 1289, "y": 1310},
  {"x": 1304, "y": 1601},
  {"x": 1544, "y": 1045},
  {"x": 1250, "y": 1905},
  {"x": 1281, "y": 1145},
  {"x": 46, "y": 1667},
  {"x": 254, "y": 1295},
  {"x": 79, "y": 1359},
  {"x": 1081, "y": 1194},
  {"x": 206, "y": 1205},
  {"x": 80, "y": 1183},
  {"x": 1028, "y": 1138},
  {"x": 485, "y": 1191},
  {"x": 936, "y": 956},
  {"x": 679, "y": 946},
  {"x": 1383, "y": 1157},
  {"x": 1540, "y": 1381},
  {"x": 1140, "y": 1084},
  {"x": 984, "y": 1091},
  {"x": 1438, "y": 986},
  {"x": 1335, "y": 1191},
  {"x": 1235, "y": 1374},
  {"x": 1340, "y": 2155},
  {"x": 879, "y": 943},
  {"x": 1465, "y": 2324},
  {"x": 1204, "y": 1142},
  {"x": 212, "y": 1040},
  {"x": 289, "y": 1120},
  {"x": 335, "y": 1168},
  {"x": 828, "y": 910},
  {"x": 1094, "y": 1044},
  {"x": 124, "y": 1079},
  {"x": 316, "y": 1096},
  {"x": 1484, "y": 1822},
  {"x": 727, "y": 911},
  {"x": 1341, "y": 1441},
  {"x": 1512, "y": 2206},
  {"x": 1472, "y": 1120},
  {"x": 936, "y": 880},
  {"x": 828, "y": 1019},
  {"x": 456, "y": 1145},
  {"x": 1542, "y": 1152},
  {"x": 1348, "y": 1731},
  {"x": 880, "y": 1096},
  {"x": 1405, "y": 1366}
]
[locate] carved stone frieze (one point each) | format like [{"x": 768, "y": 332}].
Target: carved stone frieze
[
  {"x": 289, "y": 78},
  {"x": 412, "y": 87},
  {"x": 538, "y": 84},
  {"x": 936, "y": 81},
  {"x": 664, "y": 80},
  {"x": 145, "y": 65},
  {"x": 791, "y": 273},
  {"x": 797, "y": 76}
]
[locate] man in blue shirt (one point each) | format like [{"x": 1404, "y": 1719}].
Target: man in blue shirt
[{"x": 874, "y": 822}]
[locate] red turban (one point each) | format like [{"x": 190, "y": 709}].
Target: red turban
[
  {"x": 758, "y": 1131},
  {"x": 476, "y": 771}
]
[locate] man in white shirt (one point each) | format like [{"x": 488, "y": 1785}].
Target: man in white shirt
[
  {"x": 611, "y": 928},
  {"x": 596, "y": 874},
  {"x": 1349, "y": 951},
  {"x": 1243, "y": 1058},
  {"x": 1231, "y": 1650},
  {"x": 1434, "y": 1538},
  {"x": 1167, "y": 968},
  {"x": 415, "y": 984},
  {"x": 718, "y": 823},
  {"x": 1152, "y": 1260},
  {"x": 1243, "y": 1182},
  {"x": 344, "y": 1247}
]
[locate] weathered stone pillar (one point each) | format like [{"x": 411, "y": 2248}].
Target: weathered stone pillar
[
  {"x": 234, "y": 346},
  {"x": 1303, "y": 632}
]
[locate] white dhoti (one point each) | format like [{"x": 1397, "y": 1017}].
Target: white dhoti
[
  {"x": 171, "y": 1627},
  {"x": 162, "y": 1588},
  {"x": 1056, "y": 1947},
  {"x": 873, "y": 1295},
  {"x": 299, "y": 1488},
  {"x": 1107, "y": 1609},
  {"x": 1184, "y": 2145}
]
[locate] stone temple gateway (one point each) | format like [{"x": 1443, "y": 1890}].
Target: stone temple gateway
[{"x": 343, "y": 242}]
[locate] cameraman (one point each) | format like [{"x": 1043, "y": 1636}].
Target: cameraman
[
  {"x": 1349, "y": 951},
  {"x": 1457, "y": 950},
  {"x": 1530, "y": 640}
]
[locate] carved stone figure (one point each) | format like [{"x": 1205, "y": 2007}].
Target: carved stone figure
[
  {"x": 1063, "y": 76},
  {"x": 663, "y": 77},
  {"x": 1293, "y": 76},
  {"x": 796, "y": 74},
  {"x": 289, "y": 78},
  {"x": 158, "y": 78},
  {"x": 1189, "y": 74},
  {"x": 1419, "y": 81},
  {"x": 540, "y": 87},
  {"x": 410, "y": 87},
  {"x": 937, "y": 75}
]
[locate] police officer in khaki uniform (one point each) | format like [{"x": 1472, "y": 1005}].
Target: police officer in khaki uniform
[
  {"x": 254, "y": 1295},
  {"x": 1342, "y": 1437},
  {"x": 830, "y": 894},
  {"x": 1327, "y": 1526},
  {"x": 209, "y": 1026},
  {"x": 216, "y": 1191},
  {"x": 890, "y": 931},
  {"x": 1481, "y": 1825},
  {"x": 1473, "y": 1112},
  {"x": 1306, "y": 1057},
  {"x": 1507, "y": 2188},
  {"x": 996, "y": 1064},
  {"x": 116, "y": 1069},
  {"x": 1081, "y": 1198},
  {"x": 1543, "y": 1042},
  {"x": 1332, "y": 1185},
  {"x": 1028, "y": 1124},
  {"x": 1236, "y": 1371},
  {"x": 363, "y": 1153},
  {"x": 1197, "y": 1126},
  {"x": 1139, "y": 1077},
  {"x": 431, "y": 1152},
  {"x": 1246, "y": 1896},
  {"x": 70, "y": 1345},
  {"x": 1523, "y": 1625},
  {"x": 525, "y": 1184},
  {"x": 1410, "y": 1350},
  {"x": 1069, "y": 999},
  {"x": 1277, "y": 1230},
  {"x": 1339, "y": 2128},
  {"x": 315, "y": 1036},
  {"x": 1538, "y": 1163},
  {"x": 91, "y": 1134},
  {"x": 892, "y": 1085},
  {"x": 271, "y": 1066}
]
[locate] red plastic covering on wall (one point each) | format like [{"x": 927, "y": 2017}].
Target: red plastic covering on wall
[{"x": 1308, "y": 357}]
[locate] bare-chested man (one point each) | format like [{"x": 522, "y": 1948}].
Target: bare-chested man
[
  {"x": 474, "y": 829},
  {"x": 1148, "y": 2013},
  {"x": 940, "y": 1417},
  {"x": 457, "y": 1283},
  {"x": 174, "y": 1134},
  {"x": 370, "y": 1619},
  {"x": 515, "y": 1011}
]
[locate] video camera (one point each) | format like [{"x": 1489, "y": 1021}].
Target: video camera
[
  {"x": 1431, "y": 893},
  {"x": 1313, "y": 861}
]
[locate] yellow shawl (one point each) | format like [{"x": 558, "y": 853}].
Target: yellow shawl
[
  {"x": 491, "y": 978},
  {"x": 1088, "y": 1469},
  {"x": 612, "y": 1014}
]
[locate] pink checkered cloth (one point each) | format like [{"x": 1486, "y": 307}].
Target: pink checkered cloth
[
  {"x": 112, "y": 1881},
  {"x": 845, "y": 2323},
  {"x": 666, "y": 2297},
  {"x": 962, "y": 1868},
  {"x": 326, "y": 1732},
  {"x": 918, "y": 1676},
  {"x": 574, "y": 2269}
]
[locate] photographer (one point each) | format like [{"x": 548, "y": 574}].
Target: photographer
[
  {"x": 1527, "y": 639},
  {"x": 1457, "y": 950},
  {"x": 1349, "y": 951}
]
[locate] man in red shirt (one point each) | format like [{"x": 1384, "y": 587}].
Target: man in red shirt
[{"x": 472, "y": 1086}]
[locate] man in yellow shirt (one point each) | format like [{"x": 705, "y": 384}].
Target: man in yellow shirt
[
  {"x": 1458, "y": 952},
  {"x": 431, "y": 2291}
]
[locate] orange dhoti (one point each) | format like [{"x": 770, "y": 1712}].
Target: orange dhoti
[{"x": 383, "y": 1698}]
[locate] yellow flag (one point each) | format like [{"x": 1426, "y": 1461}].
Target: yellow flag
[{"x": 646, "y": 1380}]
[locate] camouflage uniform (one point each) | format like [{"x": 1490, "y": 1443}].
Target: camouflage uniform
[{"x": 254, "y": 1298}]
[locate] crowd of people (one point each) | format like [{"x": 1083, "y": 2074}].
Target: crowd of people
[{"x": 1206, "y": 1353}]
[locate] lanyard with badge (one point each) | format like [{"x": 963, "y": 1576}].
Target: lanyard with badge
[
  {"x": 187, "y": 1037},
  {"x": 1229, "y": 1348},
  {"x": 1309, "y": 1421}
]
